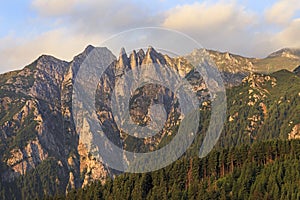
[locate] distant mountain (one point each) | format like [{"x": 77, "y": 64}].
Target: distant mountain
[
  {"x": 288, "y": 53},
  {"x": 286, "y": 58},
  {"x": 283, "y": 59},
  {"x": 42, "y": 154},
  {"x": 233, "y": 68},
  {"x": 231, "y": 63}
]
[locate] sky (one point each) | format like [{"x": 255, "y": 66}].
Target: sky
[{"x": 63, "y": 28}]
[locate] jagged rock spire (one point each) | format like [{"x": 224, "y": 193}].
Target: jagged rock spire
[
  {"x": 133, "y": 59},
  {"x": 140, "y": 56},
  {"x": 152, "y": 56},
  {"x": 123, "y": 63}
]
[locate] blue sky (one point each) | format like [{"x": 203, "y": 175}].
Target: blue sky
[
  {"x": 29, "y": 28},
  {"x": 11, "y": 17}
]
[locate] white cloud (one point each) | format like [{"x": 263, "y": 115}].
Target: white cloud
[
  {"x": 60, "y": 43},
  {"x": 53, "y": 7},
  {"x": 94, "y": 16},
  {"x": 203, "y": 16},
  {"x": 228, "y": 26},
  {"x": 282, "y": 11},
  {"x": 289, "y": 37},
  {"x": 222, "y": 25}
]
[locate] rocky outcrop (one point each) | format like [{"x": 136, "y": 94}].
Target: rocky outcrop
[
  {"x": 22, "y": 160},
  {"x": 257, "y": 85},
  {"x": 233, "y": 68},
  {"x": 295, "y": 134},
  {"x": 90, "y": 168}
]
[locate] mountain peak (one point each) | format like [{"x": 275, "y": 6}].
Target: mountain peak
[
  {"x": 152, "y": 56},
  {"x": 45, "y": 57},
  {"x": 286, "y": 52},
  {"x": 137, "y": 58},
  {"x": 89, "y": 48},
  {"x": 123, "y": 53},
  {"x": 51, "y": 65},
  {"x": 151, "y": 50},
  {"x": 47, "y": 60},
  {"x": 133, "y": 59},
  {"x": 141, "y": 53},
  {"x": 123, "y": 62}
]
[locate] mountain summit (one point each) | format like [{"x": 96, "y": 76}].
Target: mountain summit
[{"x": 286, "y": 52}]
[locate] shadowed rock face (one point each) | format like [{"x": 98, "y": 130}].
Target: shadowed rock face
[
  {"x": 297, "y": 71},
  {"x": 141, "y": 99},
  {"x": 36, "y": 122}
]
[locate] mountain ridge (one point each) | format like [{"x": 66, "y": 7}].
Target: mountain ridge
[
  {"x": 259, "y": 64},
  {"x": 286, "y": 52}
]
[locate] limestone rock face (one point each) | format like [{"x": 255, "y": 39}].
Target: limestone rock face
[
  {"x": 295, "y": 134},
  {"x": 36, "y": 123},
  {"x": 22, "y": 160},
  {"x": 91, "y": 169}
]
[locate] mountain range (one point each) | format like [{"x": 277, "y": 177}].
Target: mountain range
[{"x": 41, "y": 153}]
